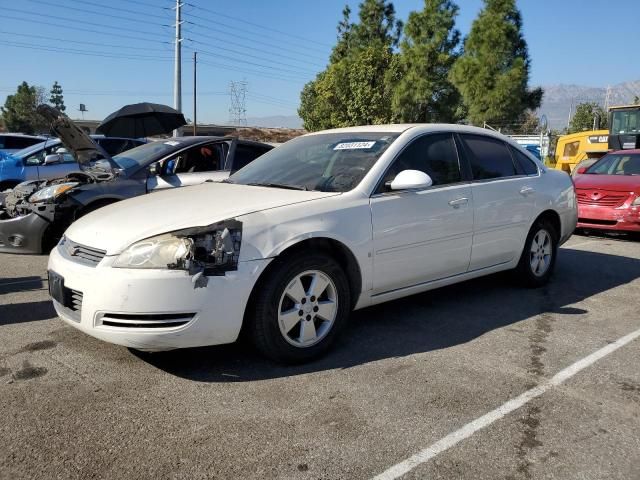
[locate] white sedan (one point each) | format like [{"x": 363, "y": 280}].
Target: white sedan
[{"x": 327, "y": 223}]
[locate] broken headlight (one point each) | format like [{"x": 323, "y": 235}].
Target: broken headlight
[
  {"x": 52, "y": 192},
  {"x": 212, "y": 250}
]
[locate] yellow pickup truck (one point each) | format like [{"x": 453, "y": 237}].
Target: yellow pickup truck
[{"x": 576, "y": 147}]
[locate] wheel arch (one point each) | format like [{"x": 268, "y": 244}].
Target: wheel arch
[
  {"x": 554, "y": 218},
  {"x": 335, "y": 248}
]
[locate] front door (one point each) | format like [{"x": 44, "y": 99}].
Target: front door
[{"x": 422, "y": 235}]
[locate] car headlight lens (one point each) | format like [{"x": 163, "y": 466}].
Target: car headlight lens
[
  {"x": 51, "y": 192},
  {"x": 212, "y": 250},
  {"x": 636, "y": 202}
]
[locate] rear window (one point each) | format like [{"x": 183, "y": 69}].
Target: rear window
[
  {"x": 525, "y": 165},
  {"x": 489, "y": 157},
  {"x": 17, "y": 142}
]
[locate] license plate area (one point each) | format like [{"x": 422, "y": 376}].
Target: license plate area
[{"x": 57, "y": 289}]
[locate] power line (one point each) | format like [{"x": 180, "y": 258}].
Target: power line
[
  {"x": 138, "y": 2},
  {"x": 295, "y": 67},
  {"x": 86, "y": 29},
  {"x": 75, "y": 21},
  {"x": 109, "y": 7},
  {"x": 260, "y": 40},
  {"x": 253, "y": 64},
  {"x": 93, "y": 12},
  {"x": 82, "y": 42},
  {"x": 48, "y": 48},
  {"x": 257, "y": 25},
  {"x": 262, "y": 74}
]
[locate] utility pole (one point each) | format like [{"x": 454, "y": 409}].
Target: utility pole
[
  {"x": 195, "y": 96},
  {"x": 177, "y": 79}
]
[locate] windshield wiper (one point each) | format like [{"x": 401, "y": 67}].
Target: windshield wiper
[{"x": 279, "y": 185}]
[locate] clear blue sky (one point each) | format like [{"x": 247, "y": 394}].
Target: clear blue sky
[{"x": 106, "y": 54}]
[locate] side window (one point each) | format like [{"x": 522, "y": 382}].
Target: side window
[
  {"x": 433, "y": 154},
  {"x": 571, "y": 149},
  {"x": 114, "y": 146},
  {"x": 525, "y": 165},
  {"x": 489, "y": 157},
  {"x": 201, "y": 158},
  {"x": 245, "y": 154}
]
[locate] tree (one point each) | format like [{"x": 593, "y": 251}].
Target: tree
[
  {"x": 428, "y": 51},
  {"x": 636, "y": 100},
  {"x": 492, "y": 74},
  {"x": 583, "y": 119},
  {"x": 352, "y": 89},
  {"x": 57, "y": 99},
  {"x": 19, "y": 111}
]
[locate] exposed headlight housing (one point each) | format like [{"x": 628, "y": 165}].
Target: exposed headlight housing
[
  {"x": 212, "y": 250},
  {"x": 51, "y": 192}
]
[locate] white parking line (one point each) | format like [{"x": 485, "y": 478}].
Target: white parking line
[
  {"x": 469, "y": 429},
  {"x": 578, "y": 244}
]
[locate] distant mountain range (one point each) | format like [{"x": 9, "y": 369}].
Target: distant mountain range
[{"x": 558, "y": 99}]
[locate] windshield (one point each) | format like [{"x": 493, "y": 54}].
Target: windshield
[
  {"x": 143, "y": 154},
  {"x": 625, "y": 121},
  {"x": 617, "y": 164},
  {"x": 328, "y": 162}
]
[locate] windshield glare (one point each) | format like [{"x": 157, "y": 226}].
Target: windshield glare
[
  {"x": 616, "y": 164},
  {"x": 327, "y": 162},
  {"x": 141, "y": 155}
]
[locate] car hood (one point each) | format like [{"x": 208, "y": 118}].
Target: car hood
[
  {"x": 616, "y": 183},
  {"x": 75, "y": 140},
  {"x": 115, "y": 227}
]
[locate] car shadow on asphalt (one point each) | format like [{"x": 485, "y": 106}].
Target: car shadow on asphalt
[
  {"x": 421, "y": 323},
  {"x": 13, "y": 313},
  {"x": 21, "y": 284}
]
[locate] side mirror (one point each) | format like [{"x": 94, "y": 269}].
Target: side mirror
[
  {"x": 581, "y": 170},
  {"x": 411, "y": 179},
  {"x": 52, "y": 159}
]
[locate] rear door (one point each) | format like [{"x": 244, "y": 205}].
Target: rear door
[
  {"x": 504, "y": 200},
  {"x": 422, "y": 235}
]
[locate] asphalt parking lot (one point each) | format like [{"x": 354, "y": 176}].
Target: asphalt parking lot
[{"x": 410, "y": 377}]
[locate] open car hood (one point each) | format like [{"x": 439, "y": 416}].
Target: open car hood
[{"x": 75, "y": 140}]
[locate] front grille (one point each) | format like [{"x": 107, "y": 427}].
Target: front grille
[
  {"x": 601, "y": 199},
  {"x": 81, "y": 253},
  {"x": 153, "y": 320},
  {"x": 75, "y": 300}
]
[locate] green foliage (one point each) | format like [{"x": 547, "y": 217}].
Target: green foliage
[
  {"x": 492, "y": 74},
  {"x": 19, "y": 110},
  {"x": 57, "y": 99},
  {"x": 352, "y": 90},
  {"x": 423, "y": 92},
  {"x": 583, "y": 117}
]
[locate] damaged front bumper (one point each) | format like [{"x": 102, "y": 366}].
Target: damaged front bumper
[{"x": 23, "y": 234}]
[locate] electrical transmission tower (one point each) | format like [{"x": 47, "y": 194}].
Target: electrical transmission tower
[{"x": 238, "y": 110}]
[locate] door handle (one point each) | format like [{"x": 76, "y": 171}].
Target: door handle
[
  {"x": 524, "y": 191},
  {"x": 458, "y": 201}
]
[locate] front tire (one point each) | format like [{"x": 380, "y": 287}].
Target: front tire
[
  {"x": 300, "y": 307},
  {"x": 538, "y": 258}
]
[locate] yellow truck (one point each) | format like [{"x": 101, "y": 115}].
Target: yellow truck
[{"x": 576, "y": 147}]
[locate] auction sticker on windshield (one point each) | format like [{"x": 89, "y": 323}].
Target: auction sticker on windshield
[{"x": 354, "y": 146}]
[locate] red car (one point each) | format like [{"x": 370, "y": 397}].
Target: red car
[{"x": 608, "y": 192}]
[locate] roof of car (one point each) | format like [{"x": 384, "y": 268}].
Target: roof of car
[
  {"x": 634, "y": 151},
  {"x": 402, "y": 127},
  {"x": 197, "y": 139}
]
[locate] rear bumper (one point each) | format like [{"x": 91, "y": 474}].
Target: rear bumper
[
  {"x": 602, "y": 218},
  {"x": 22, "y": 234}
]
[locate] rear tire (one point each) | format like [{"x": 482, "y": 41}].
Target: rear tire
[
  {"x": 299, "y": 308},
  {"x": 538, "y": 258}
]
